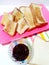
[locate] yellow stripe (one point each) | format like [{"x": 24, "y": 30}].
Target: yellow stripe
[{"x": 42, "y": 36}]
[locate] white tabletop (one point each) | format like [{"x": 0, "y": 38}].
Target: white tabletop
[
  {"x": 41, "y": 53},
  {"x": 20, "y": 2}
]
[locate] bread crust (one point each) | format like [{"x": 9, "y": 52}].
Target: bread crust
[
  {"x": 37, "y": 15},
  {"x": 28, "y": 16}
]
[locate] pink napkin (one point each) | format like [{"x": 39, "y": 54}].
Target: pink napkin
[{"x": 5, "y": 38}]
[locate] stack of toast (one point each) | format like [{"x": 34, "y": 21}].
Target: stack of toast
[{"x": 22, "y": 19}]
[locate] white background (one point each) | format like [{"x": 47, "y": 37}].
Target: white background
[
  {"x": 19, "y": 2},
  {"x": 41, "y": 48}
]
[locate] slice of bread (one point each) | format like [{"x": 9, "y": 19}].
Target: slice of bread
[
  {"x": 28, "y": 16},
  {"x": 17, "y": 14},
  {"x": 37, "y": 13},
  {"x": 6, "y": 18},
  {"x": 10, "y": 28},
  {"x": 22, "y": 26}
]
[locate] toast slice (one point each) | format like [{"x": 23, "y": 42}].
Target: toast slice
[
  {"x": 6, "y": 18},
  {"x": 17, "y": 14},
  {"x": 10, "y": 28},
  {"x": 37, "y": 13},
  {"x": 22, "y": 26},
  {"x": 28, "y": 16}
]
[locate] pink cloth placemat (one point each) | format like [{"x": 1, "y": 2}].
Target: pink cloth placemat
[{"x": 5, "y": 38}]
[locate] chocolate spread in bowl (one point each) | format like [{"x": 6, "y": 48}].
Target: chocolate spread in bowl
[{"x": 20, "y": 52}]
